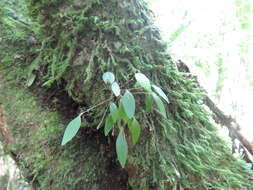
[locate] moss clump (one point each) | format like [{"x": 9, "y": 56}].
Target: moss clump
[{"x": 37, "y": 134}]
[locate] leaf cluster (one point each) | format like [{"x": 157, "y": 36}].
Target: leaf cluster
[{"x": 123, "y": 117}]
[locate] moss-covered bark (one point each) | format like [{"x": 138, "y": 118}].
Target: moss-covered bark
[{"x": 60, "y": 59}]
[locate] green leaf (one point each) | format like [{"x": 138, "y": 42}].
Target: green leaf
[
  {"x": 108, "y": 77},
  {"x": 143, "y": 81},
  {"x": 160, "y": 92},
  {"x": 121, "y": 148},
  {"x": 115, "y": 89},
  {"x": 159, "y": 104},
  {"x": 108, "y": 125},
  {"x": 30, "y": 80},
  {"x": 114, "y": 112},
  {"x": 71, "y": 130},
  {"x": 135, "y": 130},
  {"x": 121, "y": 112},
  {"x": 128, "y": 103},
  {"x": 148, "y": 103}
]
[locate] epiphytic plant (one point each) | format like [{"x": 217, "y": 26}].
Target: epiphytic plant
[{"x": 122, "y": 117}]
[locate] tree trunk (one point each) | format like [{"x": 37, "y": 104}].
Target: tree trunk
[{"x": 53, "y": 69}]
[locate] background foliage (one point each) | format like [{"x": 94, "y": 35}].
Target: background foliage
[{"x": 218, "y": 47}]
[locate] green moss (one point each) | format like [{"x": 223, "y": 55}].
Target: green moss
[
  {"x": 37, "y": 133},
  {"x": 76, "y": 46}
]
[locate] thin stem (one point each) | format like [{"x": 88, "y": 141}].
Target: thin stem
[
  {"x": 142, "y": 93},
  {"x": 101, "y": 103},
  {"x": 139, "y": 88},
  {"x": 100, "y": 123}
]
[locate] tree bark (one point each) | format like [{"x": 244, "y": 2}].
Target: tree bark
[
  {"x": 44, "y": 85},
  {"x": 220, "y": 117}
]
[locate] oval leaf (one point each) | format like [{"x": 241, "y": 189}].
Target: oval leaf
[
  {"x": 108, "y": 77},
  {"x": 143, "y": 81},
  {"x": 121, "y": 112},
  {"x": 116, "y": 89},
  {"x": 71, "y": 130},
  {"x": 159, "y": 104},
  {"x": 160, "y": 92},
  {"x": 122, "y": 148},
  {"x": 108, "y": 125},
  {"x": 30, "y": 80},
  {"x": 148, "y": 103},
  {"x": 114, "y": 112},
  {"x": 128, "y": 103},
  {"x": 135, "y": 130}
]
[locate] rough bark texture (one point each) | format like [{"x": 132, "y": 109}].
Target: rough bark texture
[{"x": 54, "y": 67}]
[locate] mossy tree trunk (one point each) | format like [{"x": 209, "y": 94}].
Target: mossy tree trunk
[{"x": 52, "y": 68}]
